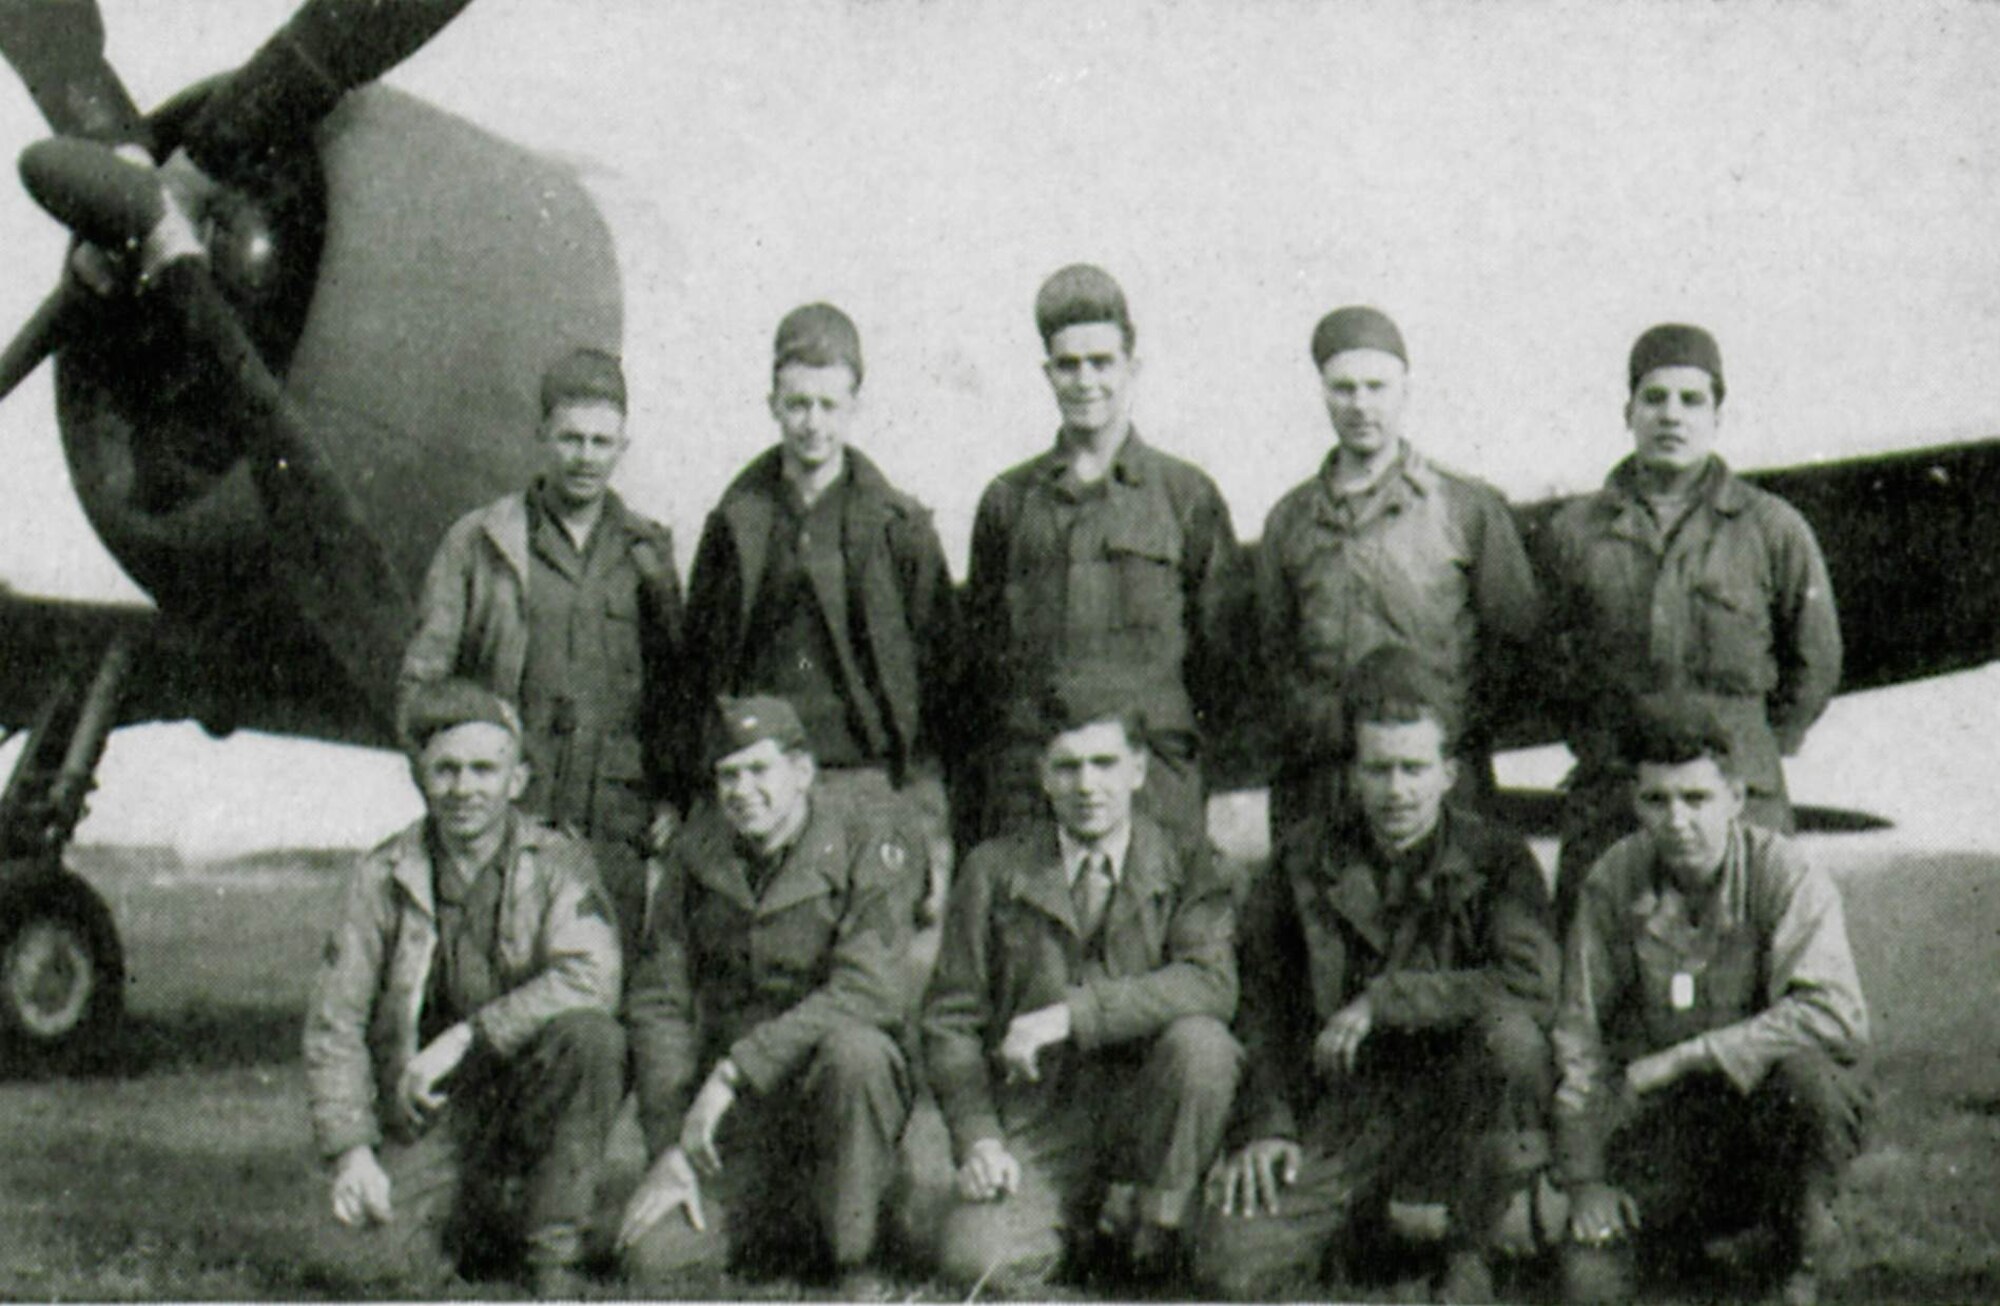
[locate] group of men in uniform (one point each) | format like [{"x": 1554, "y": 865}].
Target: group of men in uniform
[{"x": 686, "y": 852}]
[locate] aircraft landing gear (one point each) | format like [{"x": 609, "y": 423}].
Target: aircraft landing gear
[{"x": 62, "y": 971}]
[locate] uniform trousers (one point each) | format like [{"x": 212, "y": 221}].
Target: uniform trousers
[
  {"x": 1470, "y": 1102},
  {"x": 805, "y": 1171},
  {"x": 1141, "y": 1121},
  {"x": 1701, "y": 1159},
  {"x": 513, "y": 1158}
]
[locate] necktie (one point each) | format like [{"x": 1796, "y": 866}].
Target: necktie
[{"x": 1091, "y": 894}]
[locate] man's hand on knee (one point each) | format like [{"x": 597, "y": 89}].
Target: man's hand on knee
[
  {"x": 668, "y": 1187},
  {"x": 1247, "y": 1183},
  {"x": 704, "y": 1117},
  {"x": 361, "y": 1189},
  {"x": 989, "y": 1172},
  {"x": 1601, "y": 1214},
  {"x": 1340, "y": 1042},
  {"x": 420, "y": 1091}
]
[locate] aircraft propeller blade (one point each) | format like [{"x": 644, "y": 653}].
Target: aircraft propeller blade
[
  {"x": 324, "y": 554},
  {"x": 57, "y": 46},
  {"x": 36, "y": 340}
]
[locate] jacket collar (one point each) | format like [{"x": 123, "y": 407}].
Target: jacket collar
[
  {"x": 1347, "y": 877},
  {"x": 1726, "y": 909},
  {"x": 1131, "y": 465},
  {"x": 809, "y": 868},
  {"x": 1717, "y": 488},
  {"x": 505, "y": 523},
  {"x": 1044, "y": 885},
  {"x": 410, "y": 859},
  {"x": 1410, "y": 469}
]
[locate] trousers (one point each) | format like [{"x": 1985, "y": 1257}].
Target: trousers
[
  {"x": 1469, "y": 1102},
  {"x": 510, "y": 1164},
  {"x": 805, "y": 1171},
  {"x": 1145, "y": 1121}
]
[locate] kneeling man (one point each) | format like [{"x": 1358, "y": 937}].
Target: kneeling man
[
  {"x": 774, "y": 961},
  {"x": 460, "y": 1045},
  {"x": 1712, "y": 1032},
  {"x": 1076, "y": 1028},
  {"x": 1400, "y": 969}
]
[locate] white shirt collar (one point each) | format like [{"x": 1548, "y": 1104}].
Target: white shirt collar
[{"x": 1114, "y": 846}]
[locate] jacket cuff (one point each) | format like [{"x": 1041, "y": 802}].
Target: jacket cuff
[
  {"x": 760, "y": 1069},
  {"x": 1734, "y": 1061},
  {"x": 1579, "y": 1150},
  {"x": 333, "y": 1143}
]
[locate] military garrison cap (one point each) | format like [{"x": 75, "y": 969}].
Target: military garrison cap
[
  {"x": 447, "y": 704},
  {"x": 583, "y": 375},
  {"x": 1080, "y": 293},
  {"x": 817, "y": 335},
  {"x": 1675, "y": 344},
  {"x": 746, "y": 722},
  {"x": 1356, "y": 327}
]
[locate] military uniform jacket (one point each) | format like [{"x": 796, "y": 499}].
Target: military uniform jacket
[
  {"x": 1469, "y": 928},
  {"x": 1133, "y": 579},
  {"x": 1735, "y": 607},
  {"x": 1011, "y": 946},
  {"x": 1429, "y": 560},
  {"x": 558, "y": 952},
  {"x": 763, "y": 978},
  {"x": 1760, "y": 971},
  {"x": 473, "y": 622},
  {"x": 891, "y": 614}
]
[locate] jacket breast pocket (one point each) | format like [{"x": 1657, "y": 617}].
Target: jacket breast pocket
[
  {"x": 1145, "y": 560},
  {"x": 623, "y": 647},
  {"x": 1732, "y": 629}
]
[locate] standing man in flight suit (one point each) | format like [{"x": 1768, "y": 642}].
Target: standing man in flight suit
[
  {"x": 1382, "y": 547},
  {"x": 562, "y": 599},
  {"x": 819, "y": 582},
  {"x": 1678, "y": 578},
  {"x": 1104, "y": 558}
]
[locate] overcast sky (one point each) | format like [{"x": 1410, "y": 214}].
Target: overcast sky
[{"x": 1523, "y": 186}]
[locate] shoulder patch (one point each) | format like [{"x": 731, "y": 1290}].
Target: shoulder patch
[{"x": 894, "y": 855}]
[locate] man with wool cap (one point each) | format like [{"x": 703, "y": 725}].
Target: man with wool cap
[
  {"x": 1382, "y": 546},
  {"x": 1679, "y": 578},
  {"x": 1101, "y": 556},
  {"x": 819, "y": 582},
  {"x": 565, "y": 601},
  {"x": 773, "y": 978},
  {"x": 462, "y": 1061}
]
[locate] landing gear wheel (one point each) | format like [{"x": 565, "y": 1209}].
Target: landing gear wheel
[{"x": 62, "y": 972}]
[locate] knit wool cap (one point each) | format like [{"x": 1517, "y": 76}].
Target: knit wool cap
[
  {"x": 1356, "y": 327},
  {"x": 1675, "y": 344},
  {"x": 746, "y": 722},
  {"x": 447, "y": 704},
  {"x": 583, "y": 375},
  {"x": 1079, "y": 293},
  {"x": 817, "y": 335}
]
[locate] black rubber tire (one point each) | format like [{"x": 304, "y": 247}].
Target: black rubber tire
[{"x": 62, "y": 970}]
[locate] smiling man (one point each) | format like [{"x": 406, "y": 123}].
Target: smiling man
[
  {"x": 1679, "y": 578},
  {"x": 1382, "y": 546},
  {"x": 561, "y": 599},
  {"x": 1102, "y": 556},
  {"x": 819, "y": 582},
  {"x": 1713, "y": 1034},
  {"x": 1399, "y": 974},
  {"x": 460, "y": 1046},
  {"x": 1076, "y": 1028},
  {"x": 772, "y": 977}
]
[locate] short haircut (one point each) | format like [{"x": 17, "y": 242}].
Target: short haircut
[
  {"x": 1673, "y": 730},
  {"x": 583, "y": 376},
  {"x": 1072, "y": 702},
  {"x": 1391, "y": 686}
]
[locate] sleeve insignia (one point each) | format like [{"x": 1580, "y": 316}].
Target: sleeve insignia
[{"x": 894, "y": 856}]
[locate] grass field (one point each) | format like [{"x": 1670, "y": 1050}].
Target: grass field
[{"x": 180, "y": 1166}]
